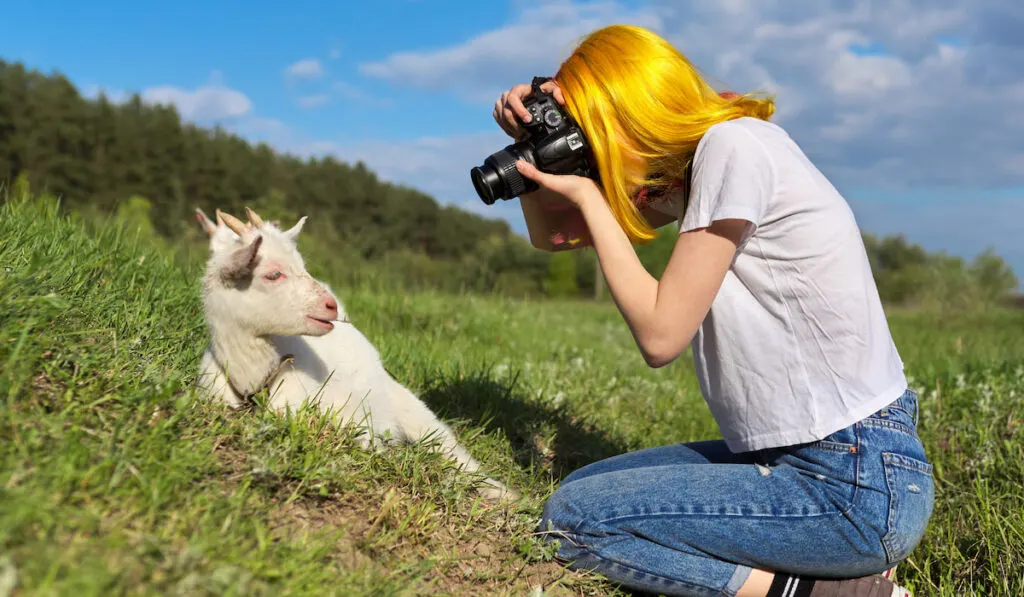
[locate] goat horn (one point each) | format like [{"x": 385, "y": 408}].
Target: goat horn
[
  {"x": 233, "y": 223},
  {"x": 205, "y": 222},
  {"x": 254, "y": 217}
]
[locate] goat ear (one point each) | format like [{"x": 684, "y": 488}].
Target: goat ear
[
  {"x": 204, "y": 222},
  {"x": 241, "y": 263},
  {"x": 293, "y": 232}
]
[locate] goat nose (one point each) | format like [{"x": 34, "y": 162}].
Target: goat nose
[{"x": 331, "y": 304}]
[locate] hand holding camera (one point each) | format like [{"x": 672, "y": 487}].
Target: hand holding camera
[
  {"x": 509, "y": 109},
  {"x": 551, "y": 142}
]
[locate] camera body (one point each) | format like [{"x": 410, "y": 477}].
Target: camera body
[{"x": 554, "y": 144}]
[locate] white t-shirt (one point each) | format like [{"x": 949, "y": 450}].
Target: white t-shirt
[{"x": 796, "y": 345}]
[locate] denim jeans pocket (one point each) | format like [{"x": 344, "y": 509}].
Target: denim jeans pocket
[
  {"x": 833, "y": 463},
  {"x": 911, "y": 488}
]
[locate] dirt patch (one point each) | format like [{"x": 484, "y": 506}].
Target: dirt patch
[{"x": 471, "y": 551}]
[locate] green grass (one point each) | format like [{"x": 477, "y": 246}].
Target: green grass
[{"x": 115, "y": 480}]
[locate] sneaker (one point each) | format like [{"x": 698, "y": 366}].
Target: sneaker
[{"x": 890, "y": 573}]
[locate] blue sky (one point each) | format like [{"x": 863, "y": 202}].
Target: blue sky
[{"x": 911, "y": 108}]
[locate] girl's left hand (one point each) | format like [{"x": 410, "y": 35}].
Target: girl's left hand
[{"x": 579, "y": 190}]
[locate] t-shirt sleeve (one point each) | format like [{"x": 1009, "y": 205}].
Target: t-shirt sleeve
[{"x": 733, "y": 178}]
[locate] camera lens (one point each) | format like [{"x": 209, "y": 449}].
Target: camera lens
[
  {"x": 498, "y": 177},
  {"x": 486, "y": 182}
]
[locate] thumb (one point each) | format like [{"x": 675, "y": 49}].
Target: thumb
[{"x": 530, "y": 171}]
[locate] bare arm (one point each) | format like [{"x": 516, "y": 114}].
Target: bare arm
[
  {"x": 540, "y": 224},
  {"x": 664, "y": 315}
]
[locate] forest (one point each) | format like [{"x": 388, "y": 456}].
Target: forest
[{"x": 143, "y": 164}]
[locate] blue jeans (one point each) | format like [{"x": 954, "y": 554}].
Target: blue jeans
[{"x": 694, "y": 519}]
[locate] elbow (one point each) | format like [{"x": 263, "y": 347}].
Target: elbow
[
  {"x": 541, "y": 243},
  {"x": 662, "y": 343},
  {"x": 657, "y": 360},
  {"x": 659, "y": 353}
]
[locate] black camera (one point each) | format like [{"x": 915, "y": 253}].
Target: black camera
[{"x": 555, "y": 144}]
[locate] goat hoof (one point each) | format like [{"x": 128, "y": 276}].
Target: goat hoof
[{"x": 496, "y": 491}]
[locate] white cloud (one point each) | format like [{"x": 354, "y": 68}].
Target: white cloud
[
  {"x": 861, "y": 78},
  {"x": 260, "y": 129},
  {"x": 932, "y": 103},
  {"x": 348, "y": 91},
  {"x": 486, "y": 64},
  {"x": 206, "y": 103},
  {"x": 437, "y": 165},
  {"x": 308, "y": 68},
  {"x": 211, "y": 102},
  {"x": 313, "y": 101},
  {"x": 354, "y": 93},
  {"x": 915, "y": 111}
]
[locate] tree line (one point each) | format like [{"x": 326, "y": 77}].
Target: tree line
[{"x": 143, "y": 163}]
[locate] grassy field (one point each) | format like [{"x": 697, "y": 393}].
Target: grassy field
[{"x": 116, "y": 481}]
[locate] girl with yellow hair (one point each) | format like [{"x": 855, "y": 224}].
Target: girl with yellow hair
[{"x": 820, "y": 484}]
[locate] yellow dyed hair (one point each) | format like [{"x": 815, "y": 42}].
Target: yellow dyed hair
[{"x": 644, "y": 107}]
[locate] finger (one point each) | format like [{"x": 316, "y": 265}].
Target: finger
[
  {"x": 500, "y": 118},
  {"x": 511, "y": 100},
  {"x": 553, "y": 88},
  {"x": 504, "y": 120},
  {"x": 502, "y": 102},
  {"x": 515, "y": 101},
  {"x": 510, "y": 120},
  {"x": 543, "y": 179}
]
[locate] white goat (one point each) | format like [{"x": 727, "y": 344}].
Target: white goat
[{"x": 262, "y": 306}]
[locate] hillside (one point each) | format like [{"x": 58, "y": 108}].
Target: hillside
[
  {"x": 114, "y": 480},
  {"x": 146, "y": 165},
  {"x": 97, "y": 153}
]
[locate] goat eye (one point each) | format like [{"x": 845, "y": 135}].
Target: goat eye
[{"x": 273, "y": 276}]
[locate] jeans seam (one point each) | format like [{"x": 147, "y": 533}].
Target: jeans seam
[
  {"x": 840, "y": 447},
  {"x": 836, "y": 512},
  {"x": 857, "y": 465},
  {"x": 889, "y": 461},
  {"x": 895, "y": 406},
  {"x": 666, "y": 579},
  {"x": 891, "y": 425},
  {"x": 893, "y": 504},
  {"x": 917, "y": 405},
  {"x": 908, "y": 462}
]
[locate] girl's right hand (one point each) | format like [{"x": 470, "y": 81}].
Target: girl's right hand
[{"x": 510, "y": 106}]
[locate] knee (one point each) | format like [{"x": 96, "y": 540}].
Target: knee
[
  {"x": 566, "y": 520},
  {"x": 561, "y": 512}
]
